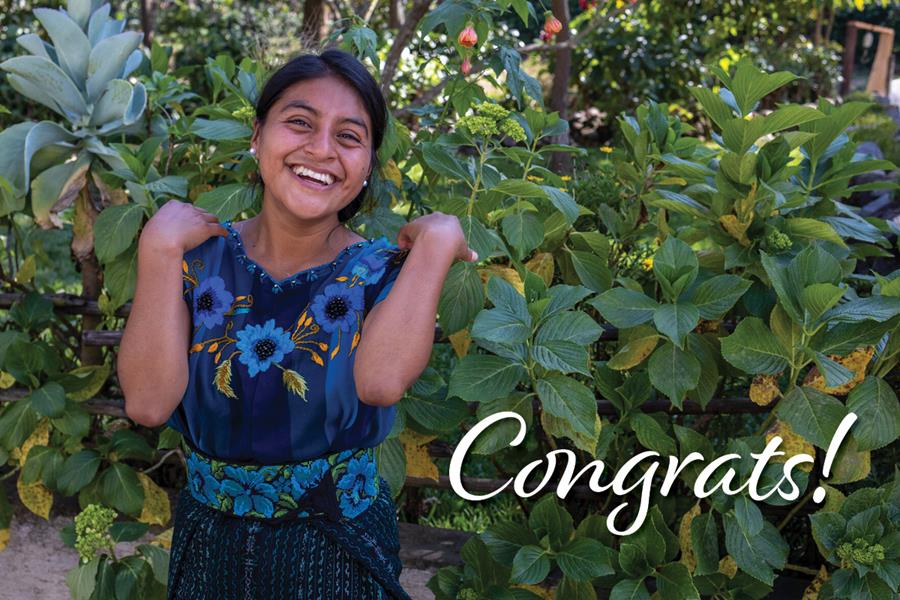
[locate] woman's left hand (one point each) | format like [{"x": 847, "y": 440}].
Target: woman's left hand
[{"x": 440, "y": 231}]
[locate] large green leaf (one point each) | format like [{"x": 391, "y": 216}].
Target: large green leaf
[
  {"x": 651, "y": 435},
  {"x": 563, "y": 202},
  {"x": 391, "y": 462},
  {"x": 436, "y": 413},
  {"x": 55, "y": 189},
  {"x": 753, "y": 348},
  {"x": 569, "y": 326},
  {"x": 505, "y": 297},
  {"x": 675, "y": 266},
  {"x": 549, "y": 518},
  {"x": 782, "y": 118},
  {"x": 227, "y": 201},
  {"x": 112, "y": 105},
  {"x": 561, "y": 355},
  {"x": 16, "y": 424},
  {"x": 571, "y": 400},
  {"x": 523, "y": 230},
  {"x": 624, "y": 308},
  {"x": 500, "y": 434},
  {"x": 873, "y": 308},
  {"x": 876, "y": 406},
  {"x": 750, "y": 85},
  {"x": 72, "y": 45},
  {"x": 12, "y": 157},
  {"x": 107, "y": 61},
  {"x": 583, "y": 559},
  {"x": 591, "y": 271},
  {"x": 758, "y": 554},
  {"x": 462, "y": 297},
  {"x": 674, "y": 581},
  {"x": 443, "y": 160},
  {"x": 498, "y": 325},
  {"x": 705, "y": 543},
  {"x": 629, "y": 589},
  {"x": 830, "y": 127},
  {"x": 39, "y": 79},
  {"x": 121, "y": 489},
  {"x": 676, "y": 320},
  {"x": 673, "y": 372},
  {"x": 478, "y": 378},
  {"x": 49, "y": 400},
  {"x": 120, "y": 276},
  {"x": 220, "y": 129},
  {"x": 115, "y": 229},
  {"x": 717, "y": 295},
  {"x": 812, "y": 414},
  {"x": 78, "y": 471},
  {"x": 530, "y": 565},
  {"x": 504, "y": 538},
  {"x": 519, "y": 188}
]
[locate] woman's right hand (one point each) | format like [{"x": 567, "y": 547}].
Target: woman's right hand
[{"x": 179, "y": 227}]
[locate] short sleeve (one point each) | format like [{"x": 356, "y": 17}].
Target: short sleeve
[{"x": 394, "y": 258}]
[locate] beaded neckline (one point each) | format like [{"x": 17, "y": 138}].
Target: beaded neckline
[{"x": 310, "y": 274}]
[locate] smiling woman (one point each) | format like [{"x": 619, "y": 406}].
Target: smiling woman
[{"x": 280, "y": 397}]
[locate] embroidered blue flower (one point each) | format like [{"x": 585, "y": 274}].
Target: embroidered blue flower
[
  {"x": 202, "y": 482},
  {"x": 306, "y": 477},
  {"x": 358, "y": 484},
  {"x": 336, "y": 306},
  {"x": 211, "y": 301},
  {"x": 370, "y": 268},
  {"x": 261, "y": 345},
  {"x": 249, "y": 491}
]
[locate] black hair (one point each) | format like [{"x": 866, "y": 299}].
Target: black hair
[{"x": 354, "y": 73}]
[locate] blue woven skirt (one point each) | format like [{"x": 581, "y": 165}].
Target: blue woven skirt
[{"x": 217, "y": 554}]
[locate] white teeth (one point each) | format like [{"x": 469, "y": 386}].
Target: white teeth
[{"x": 323, "y": 177}]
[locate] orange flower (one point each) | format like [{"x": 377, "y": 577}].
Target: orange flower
[
  {"x": 552, "y": 25},
  {"x": 468, "y": 37}
]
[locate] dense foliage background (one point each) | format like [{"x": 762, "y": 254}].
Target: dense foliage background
[{"x": 704, "y": 259}]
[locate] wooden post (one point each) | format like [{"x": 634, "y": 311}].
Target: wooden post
[
  {"x": 561, "y": 162},
  {"x": 849, "y": 57},
  {"x": 879, "y": 78}
]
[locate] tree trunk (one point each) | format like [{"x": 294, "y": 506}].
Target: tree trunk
[
  {"x": 397, "y": 16},
  {"x": 313, "y": 22},
  {"x": 561, "y": 162},
  {"x": 148, "y": 20},
  {"x": 91, "y": 282}
]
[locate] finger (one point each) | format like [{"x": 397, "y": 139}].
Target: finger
[
  {"x": 473, "y": 256},
  {"x": 218, "y": 229}
]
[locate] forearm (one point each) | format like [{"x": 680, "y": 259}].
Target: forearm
[
  {"x": 152, "y": 363},
  {"x": 398, "y": 336}
]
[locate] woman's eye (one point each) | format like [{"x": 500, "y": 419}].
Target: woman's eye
[
  {"x": 350, "y": 137},
  {"x": 298, "y": 121}
]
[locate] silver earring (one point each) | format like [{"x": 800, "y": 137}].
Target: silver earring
[
  {"x": 365, "y": 182},
  {"x": 253, "y": 151}
]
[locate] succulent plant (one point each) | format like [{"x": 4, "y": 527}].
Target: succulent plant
[{"x": 81, "y": 75}]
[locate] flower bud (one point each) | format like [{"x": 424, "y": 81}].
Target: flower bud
[
  {"x": 466, "y": 66},
  {"x": 468, "y": 37},
  {"x": 552, "y": 25}
]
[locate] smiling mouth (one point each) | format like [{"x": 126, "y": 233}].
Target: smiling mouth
[{"x": 321, "y": 180}]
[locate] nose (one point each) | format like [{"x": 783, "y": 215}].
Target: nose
[{"x": 320, "y": 144}]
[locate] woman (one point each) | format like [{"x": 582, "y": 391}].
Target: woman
[{"x": 281, "y": 356}]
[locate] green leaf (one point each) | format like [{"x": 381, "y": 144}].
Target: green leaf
[
  {"x": 705, "y": 542},
  {"x": 81, "y": 580},
  {"x": 878, "y": 411},
  {"x": 812, "y": 229},
  {"x": 568, "y": 399},
  {"x": 680, "y": 203},
  {"x": 33, "y": 312},
  {"x": 874, "y": 308},
  {"x": 73, "y": 49},
  {"x": 121, "y": 489},
  {"x": 55, "y": 188},
  {"x": 633, "y": 560},
  {"x": 590, "y": 270},
  {"x": 523, "y": 230},
  {"x": 78, "y": 471},
  {"x": 16, "y": 424},
  {"x": 479, "y": 377},
  {"x": 673, "y": 372},
  {"x": 717, "y": 295},
  {"x": 127, "y": 444},
  {"x": 780, "y": 119},
  {"x": 563, "y": 356},
  {"x": 520, "y": 188},
  {"x": 750, "y": 85},
  {"x": 130, "y": 575},
  {"x": 549, "y": 519},
  {"x": 651, "y": 435},
  {"x": 530, "y": 565},
  {"x": 675, "y": 321},
  {"x": 624, "y": 308},
  {"x": 713, "y": 105},
  {"x": 498, "y": 325},
  {"x": 835, "y": 373},
  {"x": 504, "y": 538},
  {"x": 107, "y": 61},
  {"x": 505, "y": 297},
  {"x": 127, "y": 531},
  {"x": 818, "y": 298},
  {"x": 49, "y": 400},
  {"x": 227, "y": 201},
  {"x": 637, "y": 344},
  {"x": 499, "y": 435},
  {"x": 748, "y": 515},
  {"x": 563, "y": 202},
  {"x": 759, "y": 554},
  {"x": 829, "y": 128},
  {"x": 674, "y": 581},
  {"x": 220, "y": 129},
  {"x": 583, "y": 559},
  {"x": 675, "y": 266},
  {"x": 462, "y": 297},
  {"x": 570, "y": 326},
  {"x": 629, "y": 589},
  {"x": 115, "y": 229},
  {"x": 812, "y": 414},
  {"x": 120, "y": 276},
  {"x": 39, "y": 79},
  {"x": 159, "y": 561},
  {"x": 390, "y": 461},
  {"x": 443, "y": 160},
  {"x": 753, "y": 348}
]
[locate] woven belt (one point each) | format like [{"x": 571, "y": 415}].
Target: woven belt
[{"x": 337, "y": 487}]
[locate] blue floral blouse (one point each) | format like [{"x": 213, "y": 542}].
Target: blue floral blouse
[{"x": 271, "y": 361}]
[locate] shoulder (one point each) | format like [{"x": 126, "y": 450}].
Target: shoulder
[{"x": 379, "y": 259}]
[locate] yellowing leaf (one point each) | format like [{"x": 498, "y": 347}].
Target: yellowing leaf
[
  {"x": 156, "y": 510},
  {"x": 26, "y": 271},
  {"x": 792, "y": 444},
  {"x": 460, "y": 342},
  {"x": 511, "y": 276},
  {"x": 418, "y": 461},
  {"x": 93, "y": 376},
  {"x": 294, "y": 382},
  {"x": 736, "y": 228},
  {"x": 764, "y": 389},
  {"x": 39, "y": 437},
  {"x": 850, "y": 464},
  {"x": 542, "y": 264},
  {"x": 635, "y": 351},
  {"x": 4, "y": 539},
  {"x": 36, "y": 497},
  {"x": 391, "y": 172},
  {"x": 684, "y": 538},
  {"x": 222, "y": 380},
  {"x": 812, "y": 591},
  {"x": 6, "y": 380},
  {"x": 164, "y": 539},
  {"x": 856, "y": 361},
  {"x": 728, "y": 567},
  {"x": 541, "y": 592}
]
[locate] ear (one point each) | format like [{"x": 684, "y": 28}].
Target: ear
[{"x": 254, "y": 139}]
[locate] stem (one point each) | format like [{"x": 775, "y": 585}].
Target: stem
[
  {"x": 765, "y": 424},
  {"x": 477, "y": 182},
  {"x": 800, "y": 569},
  {"x": 161, "y": 460},
  {"x": 795, "y": 510}
]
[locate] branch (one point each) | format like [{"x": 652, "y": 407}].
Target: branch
[{"x": 404, "y": 34}]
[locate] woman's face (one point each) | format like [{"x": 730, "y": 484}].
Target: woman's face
[{"x": 314, "y": 148}]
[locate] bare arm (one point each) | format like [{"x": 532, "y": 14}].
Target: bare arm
[
  {"x": 153, "y": 356},
  {"x": 398, "y": 333}
]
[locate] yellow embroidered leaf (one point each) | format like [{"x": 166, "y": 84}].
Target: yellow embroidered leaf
[
  {"x": 317, "y": 359},
  {"x": 213, "y": 347},
  {"x": 812, "y": 591},
  {"x": 164, "y": 539},
  {"x": 39, "y": 437},
  {"x": 26, "y": 271},
  {"x": 36, "y": 497},
  {"x": 856, "y": 361},
  {"x": 355, "y": 340},
  {"x": 542, "y": 265},
  {"x": 294, "y": 382},
  {"x": 684, "y": 538},
  {"x": 511, "y": 276},
  {"x": 4, "y": 539},
  {"x": 6, "y": 380},
  {"x": 222, "y": 380},
  {"x": 156, "y": 510},
  {"x": 792, "y": 444},
  {"x": 764, "y": 389},
  {"x": 323, "y": 346},
  {"x": 418, "y": 461},
  {"x": 239, "y": 298},
  {"x": 341, "y": 278},
  {"x": 184, "y": 266},
  {"x": 197, "y": 347},
  {"x": 728, "y": 567},
  {"x": 217, "y": 357},
  {"x": 308, "y": 321},
  {"x": 736, "y": 228},
  {"x": 460, "y": 342},
  {"x": 335, "y": 351},
  {"x": 636, "y": 350}
]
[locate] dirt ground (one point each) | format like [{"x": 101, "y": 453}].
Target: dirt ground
[{"x": 35, "y": 563}]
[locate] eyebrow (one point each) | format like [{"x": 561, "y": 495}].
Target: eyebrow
[{"x": 304, "y": 105}]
